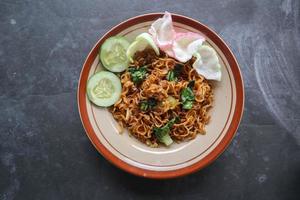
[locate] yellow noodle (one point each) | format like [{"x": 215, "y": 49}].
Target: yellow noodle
[{"x": 139, "y": 123}]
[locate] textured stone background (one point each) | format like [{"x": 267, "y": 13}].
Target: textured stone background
[{"x": 44, "y": 152}]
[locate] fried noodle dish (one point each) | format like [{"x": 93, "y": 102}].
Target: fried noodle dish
[{"x": 161, "y": 94}]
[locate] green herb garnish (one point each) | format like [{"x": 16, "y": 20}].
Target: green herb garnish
[
  {"x": 171, "y": 76},
  {"x": 187, "y": 105},
  {"x": 148, "y": 104},
  {"x": 174, "y": 74},
  {"x": 187, "y": 96},
  {"x": 162, "y": 133},
  {"x": 138, "y": 75}
]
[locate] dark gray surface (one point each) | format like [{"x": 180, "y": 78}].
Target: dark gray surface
[{"x": 44, "y": 152}]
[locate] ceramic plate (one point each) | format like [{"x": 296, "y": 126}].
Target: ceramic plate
[{"x": 179, "y": 159}]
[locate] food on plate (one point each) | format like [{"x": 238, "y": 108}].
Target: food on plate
[
  {"x": 161, "y": 91},
  {"x": 113, "y": 54},
  {"x": 207, "y": 63},
  {"x": 104, "y": 88},
  {"x": 186, "y": 44},
  {"x": 152, "y": 99}
]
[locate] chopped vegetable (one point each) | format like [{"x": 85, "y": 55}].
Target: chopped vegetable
[
  {"x": 104, "y": 88},
  {"x": 171, "y": 76},
  {"x": 191, "y": 84},
  {"x": 113, "y": 54},
  {"x": 148, "y": 104},
  {"x": 174, "y": 74},
  {"x": 162, "y": 133},
  {"x": 187, "y": 105},
  {"x": 172, "y": 122},
  {"x": 188, "y": 96},
  {"x": 172, "y": 102},
  {"x": 138, "y": 75}
]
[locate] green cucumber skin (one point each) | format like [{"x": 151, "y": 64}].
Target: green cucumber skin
[
  {"x": 106, "y": 43},
  {"x": 115, "y": 81}
]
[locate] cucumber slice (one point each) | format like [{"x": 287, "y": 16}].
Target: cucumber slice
[
  {"x": 148, "y": 38},
  {"x": 113, "y": 54},
  {"x": 134, "y": 47},
  {"x": 140, "y": 43},
  {"x": 104, "y": 89}
]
